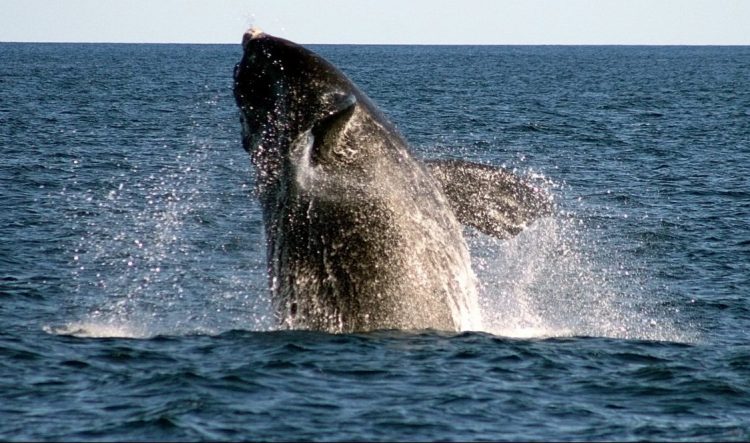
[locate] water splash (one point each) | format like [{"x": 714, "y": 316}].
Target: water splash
[
  {"x": 557, "y": 280},
  {"x": 156, "y": 256}
]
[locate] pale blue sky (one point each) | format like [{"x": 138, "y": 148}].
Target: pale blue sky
[{"x": 381, "y": 21}]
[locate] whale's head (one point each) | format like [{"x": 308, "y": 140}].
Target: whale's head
[{"x": 292, "y": 99}]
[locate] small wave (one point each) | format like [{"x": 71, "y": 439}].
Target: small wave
[{"x": 531, "y": 332}]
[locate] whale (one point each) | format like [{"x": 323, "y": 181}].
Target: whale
[{"x": 360, "y": 233}]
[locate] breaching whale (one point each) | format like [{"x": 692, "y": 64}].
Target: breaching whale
[{"x": 361, "y": 235}]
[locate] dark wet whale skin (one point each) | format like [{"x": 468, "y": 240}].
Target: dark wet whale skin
[{"x": 360, "y": 235}]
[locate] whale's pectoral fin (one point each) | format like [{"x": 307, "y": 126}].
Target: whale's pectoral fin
[
  {"x": 491, "y": 199},
  {"x": 326, "y": 130}
]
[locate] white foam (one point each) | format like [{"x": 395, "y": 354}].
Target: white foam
[
  {"x": 530, "y": 332},
  {"x": 98, "y": 330}
]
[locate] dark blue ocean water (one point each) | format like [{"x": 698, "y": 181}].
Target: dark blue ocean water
[{"x": 133, "y": 302}]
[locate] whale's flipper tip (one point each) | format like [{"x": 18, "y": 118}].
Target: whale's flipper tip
[{"x": 491, "y": 199}]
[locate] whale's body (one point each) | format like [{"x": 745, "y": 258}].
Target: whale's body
[{"x": 361, "y": 235}]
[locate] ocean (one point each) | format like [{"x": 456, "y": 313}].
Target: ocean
[{"x": 133, "y": 285}]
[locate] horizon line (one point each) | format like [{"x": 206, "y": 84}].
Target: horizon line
[{"x": 238, "y": 43}]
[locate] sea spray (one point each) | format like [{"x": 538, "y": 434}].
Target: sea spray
[
  {"x": 557, "y": 279},
  {"x": 138, "y": 261}
]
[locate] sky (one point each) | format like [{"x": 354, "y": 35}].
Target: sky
[{"x": 649, "y": 22}]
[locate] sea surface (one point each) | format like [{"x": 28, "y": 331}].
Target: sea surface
[{"x": 133, "y": 287}]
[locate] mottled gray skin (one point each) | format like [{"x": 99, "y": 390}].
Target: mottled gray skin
[{"x": 360, "y": 235}]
